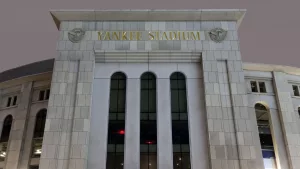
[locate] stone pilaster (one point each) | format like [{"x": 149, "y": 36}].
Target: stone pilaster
[
  {"x": 288, "y": 118},
  {"x": 164, "y": 125},
  {"x": 18, "y": 129},
  {"x": 66, "y": 137},
  {"x": 99, "y": 124},
  {"x": 132, "y": 122},
  {"x": 230, "y": 128}
]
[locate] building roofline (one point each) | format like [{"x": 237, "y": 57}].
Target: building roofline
[
  {"x": 271, "y": 68},
  {"x": 148, "y": 15},
  {"x": 35, "y": 68}
]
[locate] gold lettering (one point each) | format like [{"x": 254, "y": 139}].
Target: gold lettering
[
  {"x": 131, "y": 35},
  {"x": 165, "y": 36},
  {"x": 171, "y": 36},
  {"x": 179, "y": 37},
  {"x": 138, "y": 35},
  {"x": 107, "y": 36},
  {"x": 124, "y": 36},
  {"x": 100, "y": 35},
  {"x": 116, "y": 36},
  {"x": 193, "y": 36},
  {"x": 151, "y": 37},
  {"x": 157, "y": 35},
  {"x": 198, "y": 35}
]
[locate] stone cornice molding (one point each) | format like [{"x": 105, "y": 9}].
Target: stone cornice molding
[
  {"x": 271, "y": 68},
  {"x": 147, "y": 56},
  {"x": 236, "y": 15}
]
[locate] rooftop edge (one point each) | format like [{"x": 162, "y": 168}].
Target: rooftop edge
[{"x": 148, "y": 15}]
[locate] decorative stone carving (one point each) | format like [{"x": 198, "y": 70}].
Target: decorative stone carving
[
  {"x": 76, "y": 35},
  {"x": 217, "y": 34}
]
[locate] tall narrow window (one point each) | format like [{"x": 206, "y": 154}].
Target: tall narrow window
[
  {"x": 296, "y": 90},
  {"x": 262, "y": 87},
  {"x": 8, "y": 102},
  {"x": 5, "y": 136},
  {"x": 180, "y": 129},
  {"x": 38, "y": 133},
  {"x": 116, "y": 124},
  {"x": 266, "y": 142},
  {"x": 148, "y": 130},
  {"x": 253, "y": 86}
]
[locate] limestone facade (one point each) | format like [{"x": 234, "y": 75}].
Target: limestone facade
[{"x": 221, "y": 99}]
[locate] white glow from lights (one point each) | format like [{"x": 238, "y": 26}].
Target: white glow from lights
[
  {"x": 38, "y": 151},
  {"x": 3, "y": 154}
]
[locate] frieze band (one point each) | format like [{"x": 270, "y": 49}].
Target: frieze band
[{"x": 217, "y": 35}]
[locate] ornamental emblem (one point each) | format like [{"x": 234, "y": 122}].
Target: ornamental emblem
[
  {"x": 76, "y": 35},
  {"x": 217, "y": 34}
]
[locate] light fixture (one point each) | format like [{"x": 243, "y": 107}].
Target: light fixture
[
  {"x": 38, "y": 151},
  {"x": 179, "y": 158},
  {"x": 121, "y": 163},
  {"x": 3, "y": 154},
  {"x": 149, "y": 163}
]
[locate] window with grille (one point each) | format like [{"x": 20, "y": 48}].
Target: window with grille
[
  {"x": 38, "y": 133},
  {"x": 116, "y": 124},
  {"x": 180, "y": 129},
  {"x": 148, "y": 127}
]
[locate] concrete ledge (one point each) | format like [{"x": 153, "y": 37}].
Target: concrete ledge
[{"x": 149, "y": 15}]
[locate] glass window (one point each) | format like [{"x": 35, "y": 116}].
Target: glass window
[
  {"x": 148, "y": 130},
  {"x": 296, "y": 90},
  {"x": 265, "y": 134},
  {"x": 38, "y": 133},
  {"x": 41, "y": 95},
  {"x": 180, "y": 129},
  {"x": 254, "y": 86},
  {"x": 15, "y": 100},
  {"x": 116, "y": 124},
  {"x": 5, "y": 136},
  {"x": 8, "y": 102},
  {"x": 262, "y": 87},
  {"x": 47, "y": 94}
]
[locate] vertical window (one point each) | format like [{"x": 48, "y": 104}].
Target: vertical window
[
  {"x": 15, "y": 101},
  {"x": 296, "y": 90},
  {"x": 254, "y": 86},
  {"x": 47, "y": 94},
  {"x": 44, "y": 95},
  {"x": 8, "y": 102},
  {"x": 299, "y": 111},
  {"x": 38, "y": 133},
  {"x": 180, "y": 129},
  {"x": 41, "y": 95},
  {"x": 262, "y": 87},
  {"x": 5, "y": 136},
  {"x": 265, "y": 135},
  {"x": 148, "y": 130},
  {"x": 116, "y": 124}
]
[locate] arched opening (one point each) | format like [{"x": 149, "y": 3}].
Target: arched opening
[
  {"x": 265, "y": 136},
  {"x": 180, "y": 127},
  {"x": 148, "y": 129},
  {"x": 116, "y": 123},
  {"x": 5, "y": 136},
  {"x": 38, "y": 133}
]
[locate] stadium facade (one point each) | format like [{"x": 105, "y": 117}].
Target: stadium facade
[{"x": 149, "y": 89}]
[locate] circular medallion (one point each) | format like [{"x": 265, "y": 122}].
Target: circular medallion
[
  {"x": 217, "y": 34},
  {"x": 76, "y": 35}
]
